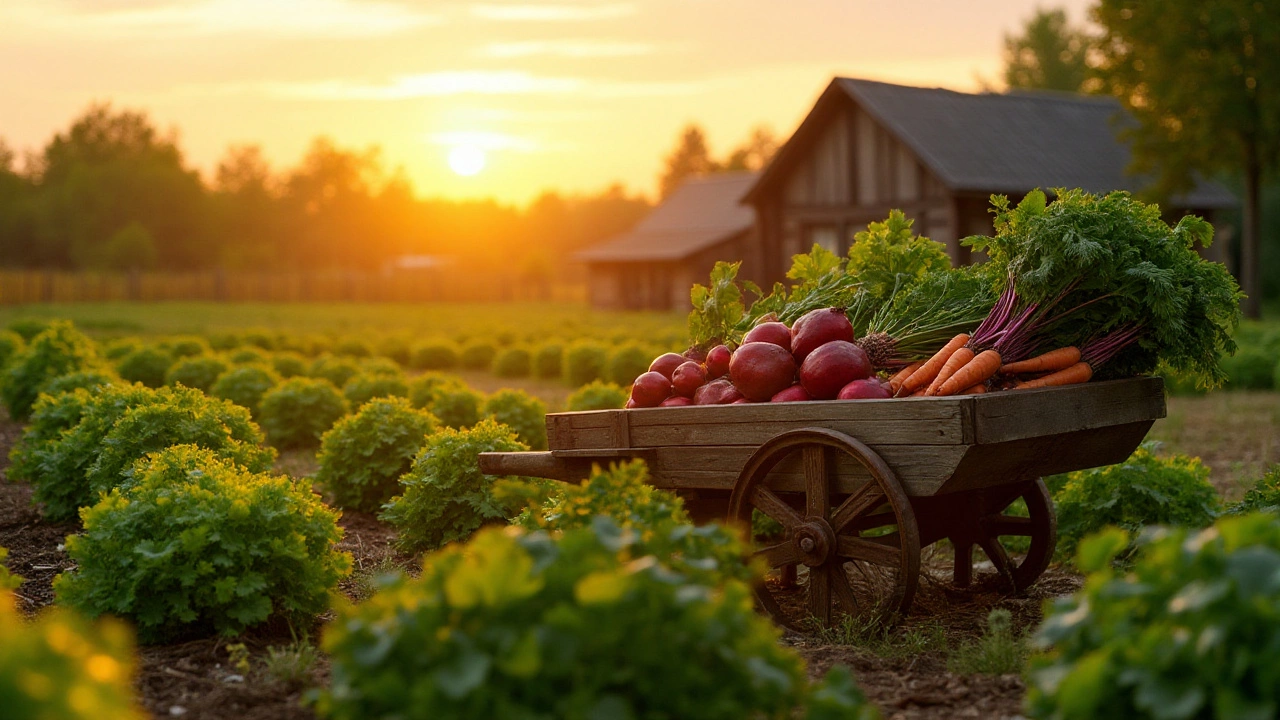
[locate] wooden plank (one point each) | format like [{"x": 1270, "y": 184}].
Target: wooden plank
[{"x": 1018, "y": 414}]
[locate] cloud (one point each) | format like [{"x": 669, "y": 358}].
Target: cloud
[
  {"x": 279, "y": 18},
  {"x": 567, "y": 48},
  {"x": 551, "y": 13}
]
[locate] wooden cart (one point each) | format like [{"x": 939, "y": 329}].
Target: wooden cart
[{"x": 859, "y": 487}]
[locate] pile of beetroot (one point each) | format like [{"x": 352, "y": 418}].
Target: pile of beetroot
[{"x": 814, "y": 359}]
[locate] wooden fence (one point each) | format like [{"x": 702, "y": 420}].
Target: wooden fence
[{"x": 441, "y": 285}]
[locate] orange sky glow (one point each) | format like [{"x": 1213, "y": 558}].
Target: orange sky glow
[{"x": 563, "y": 94}]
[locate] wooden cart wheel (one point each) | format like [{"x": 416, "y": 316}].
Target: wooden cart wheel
[
  {"x": 857, "y": 554},
  {"x": 993, "y": 530}
]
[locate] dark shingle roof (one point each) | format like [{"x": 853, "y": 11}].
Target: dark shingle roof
[
  {"x": 1014, "y": 142},
  {"x": 700, "y": 213}
]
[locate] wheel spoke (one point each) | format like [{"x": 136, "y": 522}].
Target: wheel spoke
[
  {"x": 1007, "y": 525},
  {"x": 820, "y": 592},
  {"x": 867, "y": 497},
  {"x": 816, "y": 482},
  {"x": 877, "y": 551},
  {"x": 871, "y": 522},
  {"x": 963, "y": 574},
  {"x": 784, "y": 553},
  {"x": 999, "y": 558},
  {"x": 773, "y": 506},
  {"x": 842, "y": 590}
]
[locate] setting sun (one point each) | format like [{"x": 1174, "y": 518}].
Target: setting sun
[{"x": 466, "y": 160}]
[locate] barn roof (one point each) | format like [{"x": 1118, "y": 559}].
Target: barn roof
[
  {"x": 700, "y": 213},
  {"x": 1008, "y": 143}
]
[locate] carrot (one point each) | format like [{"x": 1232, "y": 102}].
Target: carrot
[
  {"x": 1052, "y": 361},
  {"x": 896, "y": 381},
  {"x": 1078, "y": 373},
  {"x": 976, "y": 389},
  {"x": 980, "y": 369},
  {"x": 929, "y": 370},
  {"x": 958, "y": 359}
]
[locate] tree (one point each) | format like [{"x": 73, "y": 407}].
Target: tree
[
  {"x": 690, "y": 158},
  {"x": 1049, "y": 55},
  {"x": 130, "y": 248},
  {"x": 755, "y": 152},
  {"x": 246, "y": 211},
  {"x": 1200, "y": 77}
]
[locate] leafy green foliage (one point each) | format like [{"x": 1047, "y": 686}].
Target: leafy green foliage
[
  {"x": 1251, "y": 368},
  {"x": 444, "y": 495},
  {"x": 627, "y": 362},
  {"x": 288, "y": 364},
  {"x": 63, "y": 443},
  {"x": 1049, "y": 55},
  {"x": 434, "y": 355},
  {"x": 352, "y": 347},
  {"x": 299, "y": 410},
  {"x": 199, "y": 372},
  {"x": 923, "y": 315},
  {"x": 457, "y": 406},
  {"x": 90, "y": 379},
  {"x": 334, "y": 369},
  {"x": 11, "y": 343},
  {"x": 717, "y": 309},
  {"x": 245, "y": 386},
  {"x": 8, "y": 581},
  {"x": 887, "y": 256},
  {"x": 548, "y": 360},
  {"x": 1144, "y": 490},
  {"x": 29, "y": 328},
  {"x": 366, "y": 386},
  {"x": 523, "y": 413},
  {"x": 147, "y": 365},
  {"x": 186, "y": 346},
  {"x": 196, "y": 544},
  {"x": 597, "y": 395},
  {"x": 998, "y": 652},
  {"x": 249, "y": 356},
  {"x": 59, "y": 350},
  {"x": 1190, "y": 630},
  {"x": 363, "y": 456},
  {"x": 118, "y": 348},
  {"x": 1263, "y": 496},
  {"x": 584, "y": 362},
  {"x": 516, "y": 625},
  {"x": 513, "y": 362},
  {"x": 477, "y": 355},
  {"x": 61, "y": 667},
  {"x": 424, "y": 389},
  {"x": 811, "y": 268},
  {"x": 394, "y": 348}
]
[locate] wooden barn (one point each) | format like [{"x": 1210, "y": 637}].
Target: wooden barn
[
  {"x": 938, "y": 155},
  {"x": 653, "y": 265}
]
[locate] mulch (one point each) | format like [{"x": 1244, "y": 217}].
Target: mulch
[{"x": 195, "y": 679}]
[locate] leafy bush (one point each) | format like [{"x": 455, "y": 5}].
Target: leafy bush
[
  {"x": 245, "y": 386},
  {"x": 11, "y": 343},
  {"x": 352, "y": 347},
  {"x": 225, "y": 341},
  {"x": 178, "y": 416},
  {"x": 365, "y": 387},
  {"x": 289, "y": 364},
  {"x": 457, "y": 407},
  {"x": 57, "y": 351},
  {"x": 63, "y": 441},
  {"x": 424, "y": 389},
  {"x": 515, "y": 625},
  {"x": 477, "y": 355},
  {"x": 29, "y": 328},
  {"x": 521, "y": 412},
  {"x": 249, "y": 356},
  {"x": 597, "y": 395},
  {"x": 363, "y": 456},
  {"x": 1251, "y": 368},
  {"x": 626, "y": 363},
  {"x": 147, "y": 365},
  {"x": 444, "y": 496},
  {"x": 118, "y": 348},
  {"x": 1190, "y": 630},
  {"x": 548, "y": 361},
  {"x": 261, "y": 338},
  {"x": 336, "y": 370},
  {"x": 298, "y": 411},
  {"x": 381, "y": 366},
  {"x": 512, "y": 362},
  {"x": 199, "y": 372},
  {"x": 1263, "y": 496},
  {"x": 395, "y": 349},
  {"x": 196, "y": 544},
  {"x": 1143, "y": 490},
  {"x": 434, "y": 355},
  {"x": 90, "y": 379},
  {"x": 584, "y": 361},
  {"x": 60, "y": 667},
  {"x": 185, "y": 346}
]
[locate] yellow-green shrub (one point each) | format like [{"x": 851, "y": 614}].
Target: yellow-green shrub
[
  {"x": 597, "y": 395},
  {"x": 363, "y": 456},
  {"x": 299, "y": 410},
  {"x": 199, "y": 372},
  {"x": 57, "y": 351},
  {"x": 521, "y": 412},
  {"x": 245, "y": 385}
]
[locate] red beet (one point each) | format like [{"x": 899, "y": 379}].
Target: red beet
[
  {"x": 769, "y": 332},
  {"x": 865, "y": 389},
  {"x": 675, "y": 401},
  {"x": 718, "y": 362},
  {"x": 819, "y": 327},
  {"x": 631, "y": 404},
  {"x": 716, "y": 392},
  {"x": 650, "y": 389},
  {"x": 667, "y": 364},
  {"x": 795, "y": 393},
  {"x": 741, "y": 401},
  {"x": 832, "y": 366},
  {"x": 688, "y": 378},
  {"x": 761, "y": 370}
]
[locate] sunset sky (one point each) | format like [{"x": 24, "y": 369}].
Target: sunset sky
[{"x": 563, "y": 94}]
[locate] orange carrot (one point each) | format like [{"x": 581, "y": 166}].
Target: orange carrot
[
  {"x": 929, "y": 370},
  {"x": 976, "y": 389},
  {"x": 899, "y": 377},
  {"x": 1052, "y": 361},
  {"x": 980, "y": 369},
  {"x": 958, "y": 359},
  {"x": 1078, "y": 373}
]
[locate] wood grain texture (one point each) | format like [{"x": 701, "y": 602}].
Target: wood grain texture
[{"x": 1018, "y": 414}]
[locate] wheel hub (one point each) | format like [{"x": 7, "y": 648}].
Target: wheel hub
[{"x": 815, "y": 541}]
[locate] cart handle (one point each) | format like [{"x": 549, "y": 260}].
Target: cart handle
[{"x": 529, "y": 464}]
